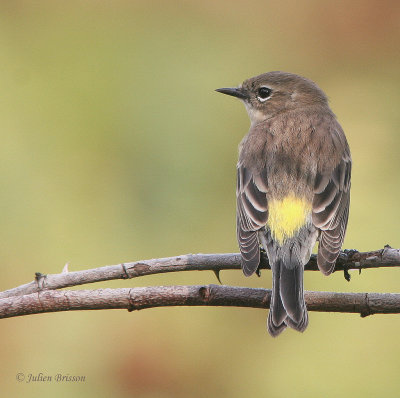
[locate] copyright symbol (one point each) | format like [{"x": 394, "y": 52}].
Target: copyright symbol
[{"x": 20, "y": 377}]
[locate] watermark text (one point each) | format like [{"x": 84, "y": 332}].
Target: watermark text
[{"x": 49, "y": 378}]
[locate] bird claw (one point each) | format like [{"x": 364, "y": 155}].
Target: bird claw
[
  {"x": 350, "y": 252},
  {"x": 347, "y": 275}
]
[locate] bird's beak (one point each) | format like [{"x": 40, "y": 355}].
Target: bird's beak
[{"x": 234, "y": 91}]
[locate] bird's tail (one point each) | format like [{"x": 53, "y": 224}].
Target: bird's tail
[{"x": 287, "y": 306}]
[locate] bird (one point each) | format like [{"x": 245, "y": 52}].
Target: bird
[{"x": 293, "y": 187}]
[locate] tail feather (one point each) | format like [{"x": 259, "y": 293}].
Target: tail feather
[
  {"x": 288, "y": 307},
  {"x": 300, "y": 326},
  {"x": 273, "y": 329},
  {"x": 277, "y": 313},
  {"x": 291, "y": 291}
]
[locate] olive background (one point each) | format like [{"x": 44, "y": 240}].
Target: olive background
[{"x": 115, "y": 148}]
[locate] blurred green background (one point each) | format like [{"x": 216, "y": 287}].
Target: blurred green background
[{"x": 114, "y": 148}]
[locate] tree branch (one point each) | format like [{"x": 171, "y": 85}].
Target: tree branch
[
  {"x": 206, "y": 295},
  {"x": 348, "y": 259}
]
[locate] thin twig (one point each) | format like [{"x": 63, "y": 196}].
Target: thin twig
[
  {"x": 206, "y": 295},
  {"x": 348, "y": 259}
]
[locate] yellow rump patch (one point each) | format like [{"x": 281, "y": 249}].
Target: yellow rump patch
[{"x": 287, "y": 216}]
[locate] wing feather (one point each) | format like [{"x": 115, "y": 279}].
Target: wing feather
[
  {"x": 252, "y": 215},
  {"x": 331, "y": 210}
]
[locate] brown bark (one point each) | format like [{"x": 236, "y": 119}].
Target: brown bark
[
  {"x": 42, "y": 295},
  {"x": 205, "y": 295},
  {"x": 348, "y": 260}
]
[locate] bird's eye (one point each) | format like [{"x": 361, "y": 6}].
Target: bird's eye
[{"x": 263, "y": 93}]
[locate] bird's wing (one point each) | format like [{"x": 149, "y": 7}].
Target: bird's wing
[
  {"x": 251, "y": 213},
  {"x": 331, "y": 208}
]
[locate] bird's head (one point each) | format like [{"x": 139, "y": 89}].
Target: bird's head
[{"x": 271, "y": 93}]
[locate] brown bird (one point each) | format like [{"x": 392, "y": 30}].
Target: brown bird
[{"x": 293, "y": 187}]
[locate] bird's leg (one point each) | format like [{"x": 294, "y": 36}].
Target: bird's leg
[
  {"x": 349, "y": 254},
  {"x": 264, "y": 263}
]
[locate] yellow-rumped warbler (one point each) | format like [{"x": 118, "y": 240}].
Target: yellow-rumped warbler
[{"x": 293, "y": 187}]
